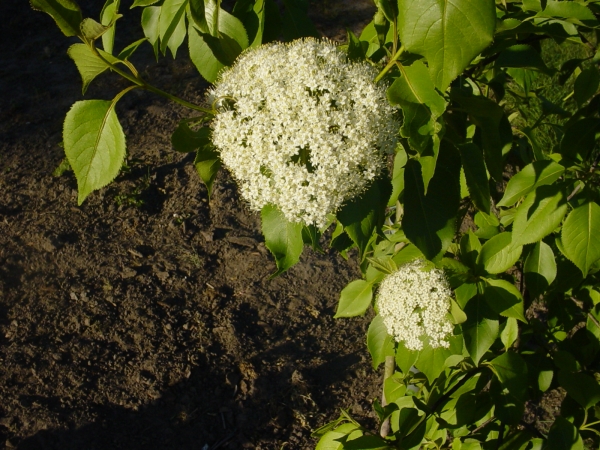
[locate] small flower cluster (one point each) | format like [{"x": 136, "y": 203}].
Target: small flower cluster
[
  {"x": 302, "y": 128},
  {"x": 414, "y": 303}
]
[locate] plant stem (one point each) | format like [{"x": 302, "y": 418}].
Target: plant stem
[
  {"x": 390, "y": 64},
  {"x": 137, "y": 80},
  {"x": 390, "y": 365}
]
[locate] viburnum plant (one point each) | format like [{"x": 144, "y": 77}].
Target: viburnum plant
[{"x": 448, "y": 146}]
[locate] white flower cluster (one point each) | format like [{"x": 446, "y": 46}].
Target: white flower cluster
[
  {"x": 414, "y": 303},
  {"x": 302, "y": 128}
]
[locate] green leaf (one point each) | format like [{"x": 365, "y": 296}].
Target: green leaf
[
  {"x": 583, "y": 388},
  {"x": 539, "y": 269},
  {"x": 150, "y": 25},
  {"x": 282, "y": 238},
  {"x": 405, "y": 358},
  {"x": 210, "y": 54},
  {"x": 355, "y": 298},
  {"x": 207, "y": 165},
  {"x": 458, "y": 315},
  {"x": 505, "y": 299},
  {"x": 448, "y": 34},
  {"x": 400, "y": 160},
  {"x": 563, "y": 435},
  {"x": 92, "y": 30},
  {"x": 488, "y": 225},
  {"x": 570, "y": 11},
  {"x": 388, "y": 8},
  {"x": 494, "y": 130},
  {"x": 476, "y": 176},
  {"x": 296, "y": 23},
  {"x": 539, "y": 214},
  {"x": 538, "y": 173},
  {"x": 66, "y": 14},
  {"x": 94, "y": 144},
  {"x": 186, "y": 140},
  {"x": 511, "y": 370},
  {"x": 334, "y": 440},
  {"x": 497, "y": 255},
  {"x": 367, "y": 443},
  {"x": 197, "y": 15},
  {"x": 144, "y": 3},
  {"x": 364, "y": 215},
  {"x": 524, "y": 57},
  {"x": 253, "y": 15},
  {"x": 586, "y": 85},
  {"x": 379, "y": 342},
  {"x": 88, "y": 64},
  {"x": 407, "y": 254},
  {"x": 108, "y": 16},
  {"x": 130, "y": 49},
  {"x": 429, "y": 220},
  {"x": 580, "y": 138},
  {"x": 172, "y": 25},
  {"x": 464, "y": 293},
  {"x": 510, "y": 333},
  {"x": 421, "y": 105},
  {"x": 481, "y": 328},
  {"x": 432, "y": 361},
  {"x": 470, "y": 246},
  {"x": 580, "y": 236}
]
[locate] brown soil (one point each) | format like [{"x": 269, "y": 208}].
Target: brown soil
[{"x": 146, "y": 317}]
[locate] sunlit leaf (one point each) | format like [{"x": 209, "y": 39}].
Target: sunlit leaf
[
  {"x": 355, "y": 298},
  {"x": 580, "y": 236},
  {"x": 539, "y": 269},
  {"x": 282, "y": 238}
]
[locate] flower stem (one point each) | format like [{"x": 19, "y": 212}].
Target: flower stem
[
  {"x": 137, "y": 80},
  {"x": 390, "y": 365},
  {"x": 390, "y": 64}
]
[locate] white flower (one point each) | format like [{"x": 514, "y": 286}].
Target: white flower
[
  {"x": 302, "y": 128},
  {"x": 414, "y": 303}
]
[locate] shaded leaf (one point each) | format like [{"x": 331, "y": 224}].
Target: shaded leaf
[
  {"x": 379, "y": 342},
  {"x": 296, "y": 23},
  {"x": 586, "y": 85},
  {"x": 207, "y": 165},
  {"x": 476, "y": 176},
  {"x": 66, "y": 14},
  {"x": 580, "y": 138}
]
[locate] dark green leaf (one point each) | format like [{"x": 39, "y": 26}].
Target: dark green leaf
[
  {"x": 580, "y": 138},
  {"x": 563, "y": 435},
  {"x": 584, "y": 389},
  {"x": 481, "y": 328},
  {"x": 539, "y": 269},
  {"x": 363, "y": 216},
  {"x": 186, "y": 140},
  {"x": 470, "y": 246},
  {"x": 495, "y": 129},
  {"x": 366, "y": 443},
  {"x": 511, "y": 370},
  {"x": 282, "y": 238},
  {"x": 476, "y": 175},
  {"x": 524, "y": 57},
  {"x": 66, "y": 14},
  {"x": 144, "y": 3},
  {"x": 448, "y": 34},
  {"x": 296, "y": 23},
  {"x": 586, "y": 85},
  {"x": 94, "y": 144},
  {"x": 355, "y": 298},
  {"x": 429, "y": 220}
]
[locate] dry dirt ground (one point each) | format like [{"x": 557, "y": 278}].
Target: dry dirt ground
[{"x": 146, "y": 317}]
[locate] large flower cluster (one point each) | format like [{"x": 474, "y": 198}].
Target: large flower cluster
[
  {"x": 414, "y": 303},
  {"x": 302, "y": 128}
]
